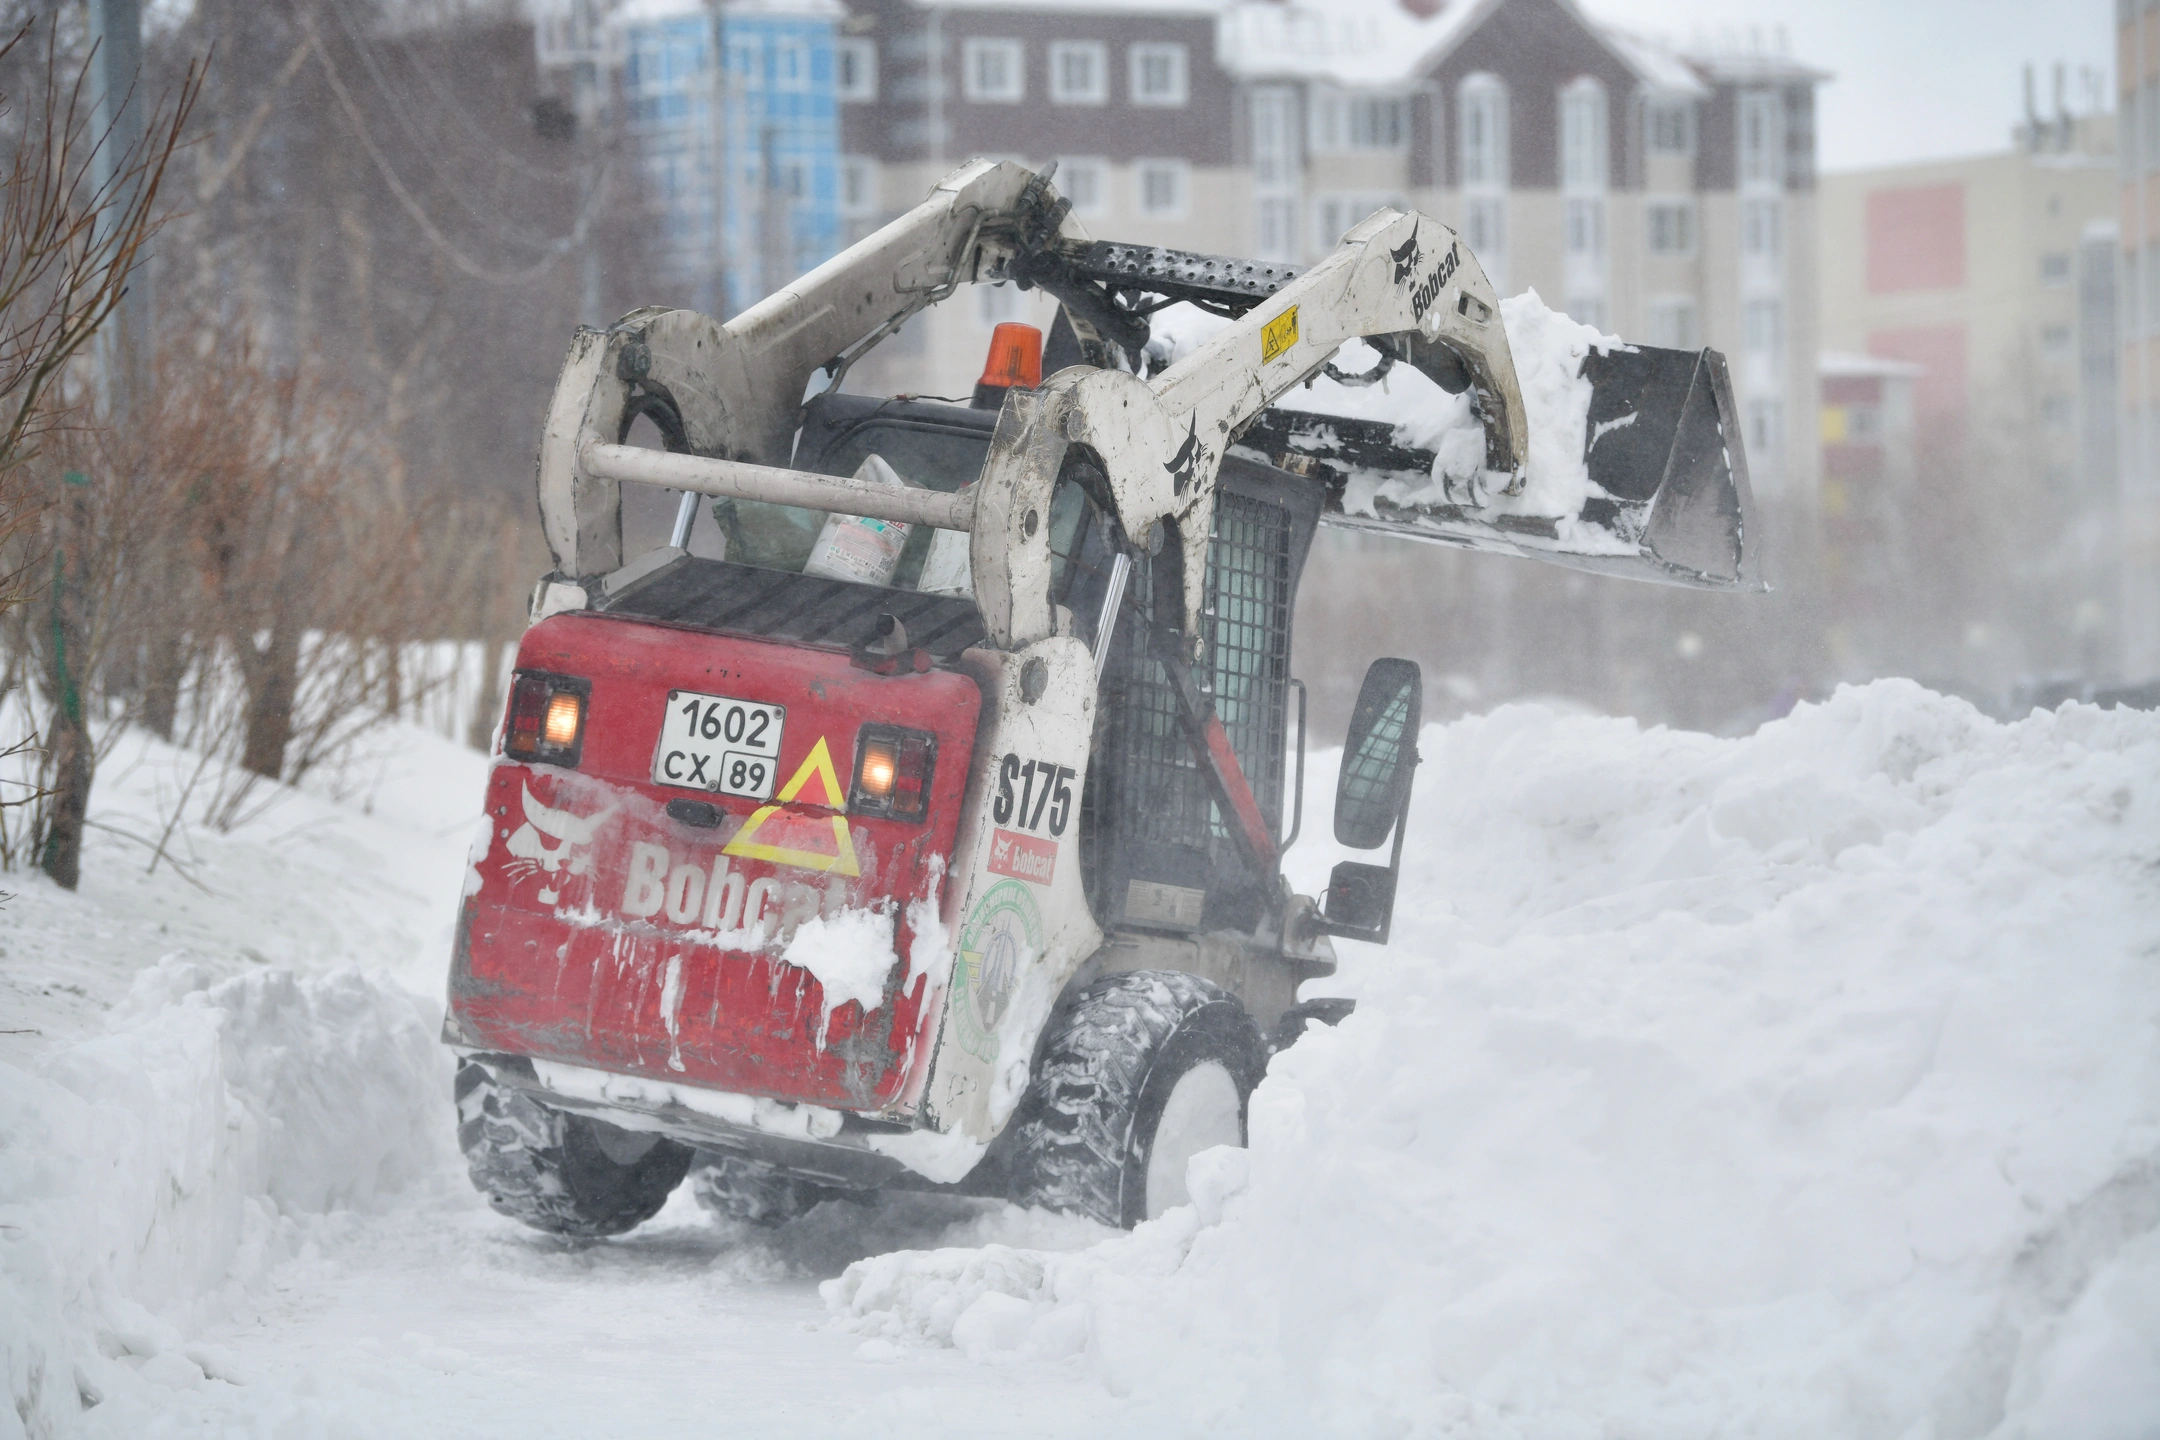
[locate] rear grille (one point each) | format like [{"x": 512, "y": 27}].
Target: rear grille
[{"x": 805, "y": 609}]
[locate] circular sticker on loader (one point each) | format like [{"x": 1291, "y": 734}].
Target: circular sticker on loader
[{"x": 1003, "y": 934}]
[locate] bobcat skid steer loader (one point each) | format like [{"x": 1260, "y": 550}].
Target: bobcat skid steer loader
[{"x": 931, "y": 838}]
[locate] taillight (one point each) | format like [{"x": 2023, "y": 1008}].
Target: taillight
[
  {"x": 547, "y": 717},
  {"x": 892, "y": 772}
]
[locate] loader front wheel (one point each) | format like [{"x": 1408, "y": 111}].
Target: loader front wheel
[
  {"x": 1139, "y": 1073},
  {"x": 562, "y": 1173}
]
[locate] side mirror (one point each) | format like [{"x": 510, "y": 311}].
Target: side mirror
[
  {"x": 1372, "y": 797},
  {"x": 1379, "y": 753}
]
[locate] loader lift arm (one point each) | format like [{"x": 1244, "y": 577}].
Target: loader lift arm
[{"x": 728, "y": 399}]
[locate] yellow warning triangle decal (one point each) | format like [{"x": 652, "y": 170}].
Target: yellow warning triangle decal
[{"x": 842, "y": 859}]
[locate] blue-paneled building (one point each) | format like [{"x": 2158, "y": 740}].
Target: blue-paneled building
[{"x": 733, "y": 113}]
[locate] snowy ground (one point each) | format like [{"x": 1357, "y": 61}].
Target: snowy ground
[{"x": 1805, "y": 1084}]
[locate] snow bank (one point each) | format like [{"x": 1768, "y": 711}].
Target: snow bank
[
  {"x": 1803, "y": 1084},
  {"x": 145, "y": 1172}
]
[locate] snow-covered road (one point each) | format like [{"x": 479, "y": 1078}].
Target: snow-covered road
[
  {"x": 441, "y": 1319},
  {"x": 1804, "y": 1084}
]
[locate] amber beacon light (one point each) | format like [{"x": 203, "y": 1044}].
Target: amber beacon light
[{"x": 1015, "y": 362}]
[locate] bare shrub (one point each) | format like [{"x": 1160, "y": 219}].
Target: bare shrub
[{"x": 74, "y": 220}]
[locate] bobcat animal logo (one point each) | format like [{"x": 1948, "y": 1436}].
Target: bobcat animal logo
[
  {"x": 568, "y": 856},
  {"x": 1406, "y": 256},
  {"x": 1188, "y": 456}
]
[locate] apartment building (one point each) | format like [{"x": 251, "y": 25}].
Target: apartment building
[
  {"x": 731, "y": 115},
  {"x": 1995, "y": 276},
  {"x": 1667, "y": 197}
]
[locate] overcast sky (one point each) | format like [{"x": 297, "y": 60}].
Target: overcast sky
[{"x": 1915, "y": 79}]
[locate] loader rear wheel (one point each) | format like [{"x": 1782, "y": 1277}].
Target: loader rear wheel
[
  {"x": 562, "y": 1173},
  {"x": 733, "y": 1188},
  {"x": 1140, "y": 1072}
]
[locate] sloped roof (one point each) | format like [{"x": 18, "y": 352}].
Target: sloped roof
[{"x": 1378, "y": 43}]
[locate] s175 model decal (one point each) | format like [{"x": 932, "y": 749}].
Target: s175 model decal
[{"x": 1042, "y": 787}]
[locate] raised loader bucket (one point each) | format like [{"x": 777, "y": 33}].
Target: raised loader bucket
[{"x": 1665, "y": 497}]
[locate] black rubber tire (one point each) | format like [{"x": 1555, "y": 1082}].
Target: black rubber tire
[
  {"x": 551, "y": 1169},
  {"x": 733, "y": 1188},
  {"x": 1085, "y": 1130}
]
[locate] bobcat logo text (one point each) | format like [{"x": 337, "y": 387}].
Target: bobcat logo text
[{"x": 1421, "y": 299}]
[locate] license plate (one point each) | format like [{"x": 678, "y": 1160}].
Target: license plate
[{"x": 720, "y": 744}]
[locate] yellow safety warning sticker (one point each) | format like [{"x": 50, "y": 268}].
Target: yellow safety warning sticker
[
  {"x": 1278, "y": 335},
  {"x": 800, "y": 831}
]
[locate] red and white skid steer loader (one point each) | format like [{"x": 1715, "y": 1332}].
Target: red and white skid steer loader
[{"x": 930, "y": 838}]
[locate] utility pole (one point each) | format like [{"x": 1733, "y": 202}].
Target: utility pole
[
  {"x": 588, "y": 91},
  {"x": 124, "y": 348}
]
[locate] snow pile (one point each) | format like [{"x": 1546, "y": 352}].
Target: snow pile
[
  {"x": 145, "y": 1171},
  {"x": 170, "y": 1129},
  {"x": 1548, "y": 349},
  {"x": 1802, "y": 1084}
]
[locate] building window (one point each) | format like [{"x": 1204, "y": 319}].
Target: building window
[
  {"x": 1158, "y": 74},
  {"x": 858, "y": 185},
  {"x": 1588, "y": 310},
  {"x": 1359, "y": 122},
  {"x": 1481, "y": 134},
  {"x": 2129, "y": 131},
  {"x": 1484, "y": 230},
  {"x": 2056, "y": 412},
  {"x": 2055, "y": 268},
  {"x": 1583, "y": 146},
  {"x": 2149, "y": 112},
  {"x": 1079, "y": 72},
  {"x": 2055, "y": 341},
  {"x": 1762, "y": 139},
  {"x": 1276, "y": 160},
  {"x": 1669, "y": 127},
  {"x": 2133, "y": 318},
  {"x": 1765, "y": 429},
  {"x": 1163, "y": 187},
  {"x": 1672, "y": 323},
  {"x": 1081, "y": 180},
  {"x": 1335, "y": 214},
  {"x": 1761, "y": 229},
  {"x": 1277, "y": 166},
  {"x": 790, "y": 65},
  {"x": 992, "y": 70},
  {"x": 2152, "y": 286},
  {"x": 1276, "y": 229},
  {"x": 1762, "y": 321},
  {"x": 1586, "y": 227},
  {"x": 855, "y": 69},
  {"x": 1672, "y": 227}
]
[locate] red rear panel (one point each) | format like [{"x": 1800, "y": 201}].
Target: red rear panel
[{"x": 602, "y": 931}]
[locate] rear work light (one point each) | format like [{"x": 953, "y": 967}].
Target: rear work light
[
  {"x": 547, "y": 718},
  {"x": 892, "y": 773}
]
